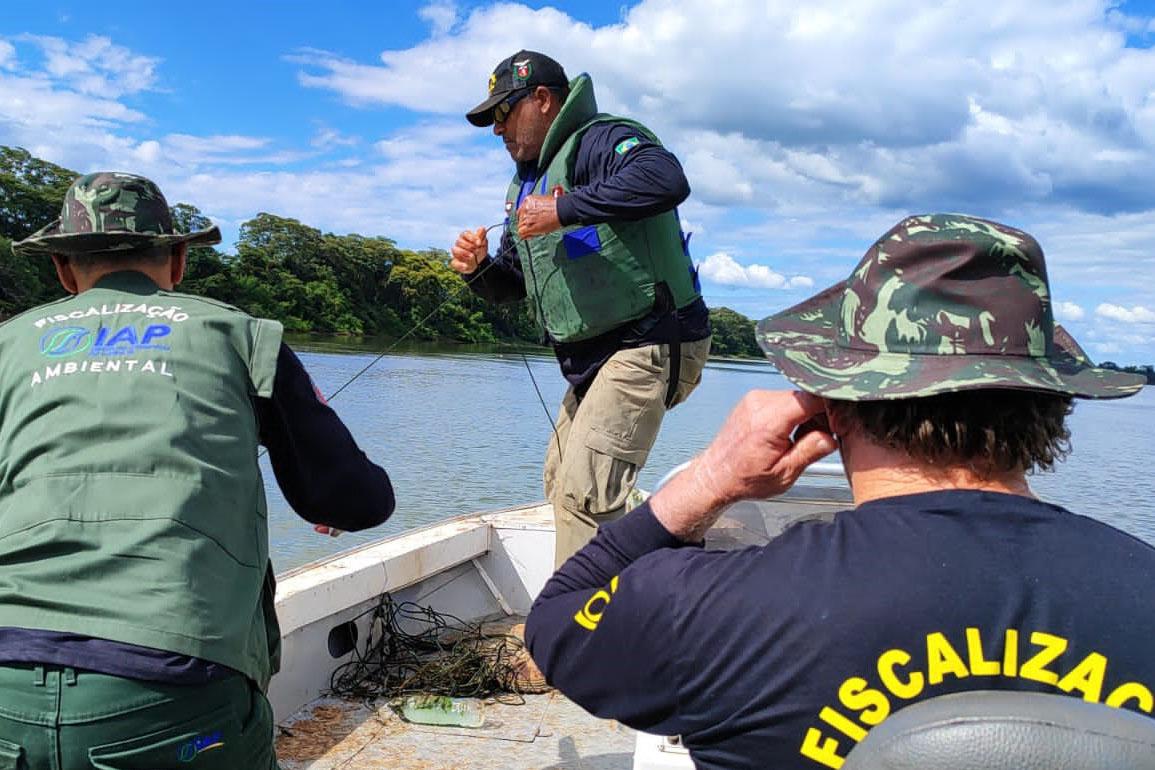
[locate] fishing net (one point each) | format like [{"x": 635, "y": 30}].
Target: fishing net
[{"x": 411, "y": 649}]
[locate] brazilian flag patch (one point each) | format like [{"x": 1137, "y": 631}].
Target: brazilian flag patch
[{"x": 626, "y": 145}]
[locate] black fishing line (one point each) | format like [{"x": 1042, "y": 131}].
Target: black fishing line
[
  {"x": 541, "y": 398},
  {"x": 411, "y": 649},
  {"x": 452, "y": 296}
]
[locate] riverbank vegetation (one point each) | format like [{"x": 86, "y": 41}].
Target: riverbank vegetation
[{"x": 309, "y": 280}]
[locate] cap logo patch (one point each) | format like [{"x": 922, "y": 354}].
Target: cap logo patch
[
  {"x": 626, "y": 145},
  {"x": 522, "y": 70},
  {"x": 492, "y": 83}
]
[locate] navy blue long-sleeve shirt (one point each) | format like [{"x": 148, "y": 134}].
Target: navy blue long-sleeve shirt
[
  {"x": 786, "y": 655},
  {"x": 326, "y": 479},
  {"x": 641, "y": 182}
]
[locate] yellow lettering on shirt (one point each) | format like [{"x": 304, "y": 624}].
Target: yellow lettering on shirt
[
  {"x": 868, "y": 703},
  {"x": 822, "y": 750},
  {"x": 590, "y": 615},
  {"x": 1087, "y": 678},
  {"x": 941, "y": 659},
  {"x": 912, "y": 687},
  {"x": 856, "y": 695},
  {"x": 1132, "y": 691},
  {"x": 979, "y": 666},
  {"x": 839, "y": 722},
  {"x": 1011, "y": 653},
  {"x": 1035, "y": 667}
]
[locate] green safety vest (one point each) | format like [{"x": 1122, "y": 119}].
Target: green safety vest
[
  {"x": 131, "y": 503},
  {"x": 585, "y": 280}
]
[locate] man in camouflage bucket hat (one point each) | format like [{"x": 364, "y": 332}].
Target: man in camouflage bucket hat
[
  {"x": 937, "y": 372},
  {"x": 916, "y": 318},
  {"x": 109, "y": 212},
  {"x": 137, "y": 623}
]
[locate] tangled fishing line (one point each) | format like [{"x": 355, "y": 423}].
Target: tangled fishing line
[{"x": 411, "y": 650}]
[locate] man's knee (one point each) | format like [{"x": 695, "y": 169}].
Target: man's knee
[
  {"x": 694, "y": 357},
  {"x": 595, "y": 485}
]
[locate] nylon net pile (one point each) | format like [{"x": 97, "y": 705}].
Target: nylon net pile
[{"x": 411, "y": 649}]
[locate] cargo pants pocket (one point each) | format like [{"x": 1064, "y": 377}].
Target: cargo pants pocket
[
  {"x": 11, "y": 756},
  {"x": 207, "y": 742},
  {"x": 256, "y": 743},
  {"x": 616, "y": 424}
]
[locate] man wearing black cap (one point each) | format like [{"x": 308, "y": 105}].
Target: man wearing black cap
[{"x": 592, "y": 238}]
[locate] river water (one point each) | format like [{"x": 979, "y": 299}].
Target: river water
[{"x": 462, "y": 430}]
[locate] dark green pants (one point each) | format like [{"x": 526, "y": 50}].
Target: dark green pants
[{"x": 56, "y": 718}]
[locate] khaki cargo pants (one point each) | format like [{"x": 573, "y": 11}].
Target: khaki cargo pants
[{"x": 602, "y": 442}]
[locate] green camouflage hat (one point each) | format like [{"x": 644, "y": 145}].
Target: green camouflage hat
[
  {"x": 940, "y": 303},
  {"x": 111, "y": 212}
]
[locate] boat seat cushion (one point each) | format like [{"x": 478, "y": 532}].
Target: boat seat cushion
[{"x": 990, "y": 730}]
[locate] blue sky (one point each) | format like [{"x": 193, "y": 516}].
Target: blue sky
[{"x": 806, "y": 130}]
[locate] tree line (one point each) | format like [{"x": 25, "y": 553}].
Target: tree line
[
  {"x": 309, "y": 280},
  {"x": 1147, "y": 370}
]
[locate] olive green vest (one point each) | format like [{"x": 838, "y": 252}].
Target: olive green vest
[
  {"x": 586, "y": 280},
  {"x": 131, "y": 504}
]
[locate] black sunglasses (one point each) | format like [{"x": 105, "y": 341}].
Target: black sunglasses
[{"x": 503, "y": 108}]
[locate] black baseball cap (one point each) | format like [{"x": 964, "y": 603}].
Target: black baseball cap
[{"x": 524, "y": 70}]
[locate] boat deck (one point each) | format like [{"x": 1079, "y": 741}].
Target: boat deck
[{"x": 547, "y": 731}]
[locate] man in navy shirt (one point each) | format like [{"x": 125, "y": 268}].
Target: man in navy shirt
[
  {"x": 592, "y": 239},
  {"x": 938, "y": 374}
]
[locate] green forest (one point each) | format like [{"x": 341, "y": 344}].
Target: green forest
[{"x": 309, "y": 280}]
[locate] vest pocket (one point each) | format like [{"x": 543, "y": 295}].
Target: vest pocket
[
  {"x": 11, "y": 756},
  {"x": 578, "y": 243}
]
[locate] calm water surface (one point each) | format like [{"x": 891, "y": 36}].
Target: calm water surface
[{"x": 463, "y": 430}]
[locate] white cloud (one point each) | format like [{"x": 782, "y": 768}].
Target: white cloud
[
  {"x": 1106, "y": 348},
  {"x": 33, "y": 102},
  {"x": 771, "y": 101},
  {"x": 440, "y": 15},
  {"x": 7, "y": 55},
  {"x": 191, "y": 152},
  {"x": 1134, "y": 315},
  {"x": 723, "y": 269},
  {"x": 213, "y": 145},
  {"x": 1134, "y": 25},
  {"x": 1069, "y": 311},
  {"x": 328, "y": 138},
  {"x": 71, "y": 108},
  {"x": 97, "y": 66}
]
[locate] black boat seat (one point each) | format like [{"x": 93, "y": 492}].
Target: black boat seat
[{"x": 992, "y": 730}]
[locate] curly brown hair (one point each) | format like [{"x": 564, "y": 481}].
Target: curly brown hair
[{"x": 987, "y": 431}]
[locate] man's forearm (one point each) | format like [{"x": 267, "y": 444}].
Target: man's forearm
[
  {"x": 324, "y": 475},
  {"x": 646, "y": 182},
  {"x": 497, "y": 280},
  {"x": 583, "y": 628}
]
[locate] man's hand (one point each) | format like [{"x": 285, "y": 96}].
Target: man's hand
[
  {"x": 753, "y": 456},
  {"x": 537, "y": 215},
  {"x": 469, "y": 251},
  {"x": 325, "y": 529}
]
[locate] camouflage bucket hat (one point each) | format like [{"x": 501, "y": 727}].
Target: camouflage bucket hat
[
  {"x": 940, "y": 303},
  {"x": 109, "y": 212}
]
